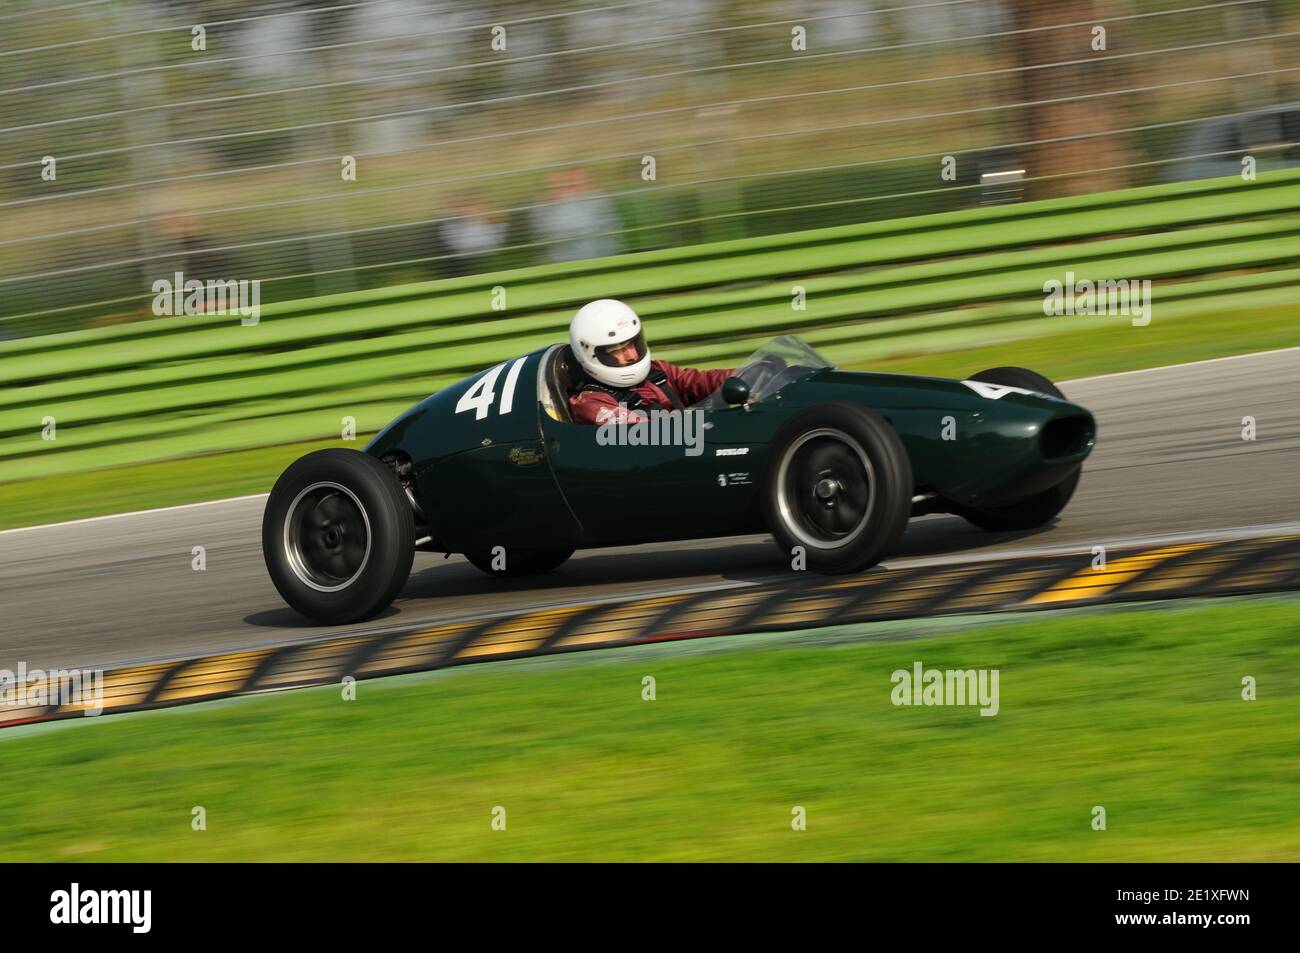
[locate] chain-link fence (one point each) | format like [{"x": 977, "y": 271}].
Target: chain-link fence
[{"x": 326, "y": 147}]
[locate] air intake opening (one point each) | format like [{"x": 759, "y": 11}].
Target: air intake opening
[{"x": 1065, "y": 437}]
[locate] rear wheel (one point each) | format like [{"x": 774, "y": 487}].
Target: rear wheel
[
  {"x": 338, "y": 536},
  {"x": 839, "y": 486},
  {"x": 519, "y": 562},
  {"x": 1042, "y": 507}
]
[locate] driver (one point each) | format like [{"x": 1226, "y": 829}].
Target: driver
[{"x": 618, "y": 378}]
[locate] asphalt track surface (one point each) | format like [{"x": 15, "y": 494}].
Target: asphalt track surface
[{"x": 1170, "y": 460}]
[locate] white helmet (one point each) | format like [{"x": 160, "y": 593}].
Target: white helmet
[{"x": 598, "y": 329}]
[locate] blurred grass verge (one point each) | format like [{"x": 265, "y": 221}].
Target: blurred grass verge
[{"x": 1137, "y": 709}]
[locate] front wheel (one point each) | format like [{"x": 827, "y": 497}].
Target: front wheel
[
  {"x": 1043, "y": 507},
  {"x": 338, "y": 536},
  {"x": 838, "y": 485}
]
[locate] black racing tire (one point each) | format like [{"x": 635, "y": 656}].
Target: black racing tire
[
  {"x": 1043, "y": 507},
  {"x": 338, "y": 536},
  {"x": 520, "y": 562},
  {"x": 838, "y": 483}
]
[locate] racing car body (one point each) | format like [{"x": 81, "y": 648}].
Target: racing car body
[{"x": 829, "y": 460}]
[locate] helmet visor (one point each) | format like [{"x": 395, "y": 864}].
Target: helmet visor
[{"x": 623, "y": 353}]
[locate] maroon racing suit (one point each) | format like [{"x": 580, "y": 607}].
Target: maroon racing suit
[{"x": 596, "y": 403}]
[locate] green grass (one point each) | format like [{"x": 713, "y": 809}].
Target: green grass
[
  {"x": 148, "y": 485},
  {"x": 1135, "y": 709},
  {"x": 1085, "y": 348}
]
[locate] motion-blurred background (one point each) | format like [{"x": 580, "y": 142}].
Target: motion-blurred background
[{"x": 226, "y": 161}]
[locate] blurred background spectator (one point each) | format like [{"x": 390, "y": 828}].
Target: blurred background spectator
[
  {"x": 576, "y": 222},
  {"x": 468, "y": 235}
]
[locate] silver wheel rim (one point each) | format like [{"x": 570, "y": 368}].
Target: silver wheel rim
[
  {"x": 327, "y": 536},
  {"x": 818, "y": 473}
]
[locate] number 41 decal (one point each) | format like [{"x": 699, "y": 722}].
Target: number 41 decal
[
  {"x": 995, "y": 391},
  {"x": 481, "y": 394}
]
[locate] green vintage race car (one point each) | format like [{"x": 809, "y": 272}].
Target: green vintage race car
[{"x": 832, "y": 463}]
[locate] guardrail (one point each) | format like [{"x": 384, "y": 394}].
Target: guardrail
[{"x": 186, "y": 385}]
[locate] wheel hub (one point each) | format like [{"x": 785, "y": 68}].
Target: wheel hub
[
  {"x": 327, "y": 536},
  {"x": 826, "y": 488}
]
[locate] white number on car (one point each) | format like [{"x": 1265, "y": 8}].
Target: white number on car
[
  {"x": 482, "y": 392},
  {"x": 994, "y": 391}
]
